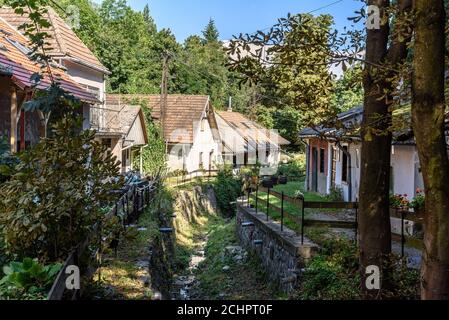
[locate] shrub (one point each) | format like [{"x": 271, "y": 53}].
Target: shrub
[
  {"x": 296, "y": 168},
  {"x": 418, "y": 201},
  {"x": 27, "y": 279},
  {"x": 153, "y": 155},
  {"x": 332, "y": 274},
  {"x": 7, "y": 161},
  {"x": 335, "y": 194},
  {"x": 227, "y": 189},
  {"x": 56, "y": 192}
]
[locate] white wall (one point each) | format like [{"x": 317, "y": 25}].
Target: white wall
[
  {"x": 174, "y": 162},
  {"x": 203, "y": 142},
  {"x": 406, "y": 177},
  {"x": 87, "y": 76},
  {"x": 355, "y": 152}
]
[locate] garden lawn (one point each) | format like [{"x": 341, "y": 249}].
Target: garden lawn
[{"x": 290, "y": 190}]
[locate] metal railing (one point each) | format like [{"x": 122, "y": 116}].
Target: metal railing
[
  {"x": 300, "y": 203},
  {"x": 128, "y": 209}
]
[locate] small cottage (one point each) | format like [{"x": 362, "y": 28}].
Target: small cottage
[{"x": 333, "y": 159}]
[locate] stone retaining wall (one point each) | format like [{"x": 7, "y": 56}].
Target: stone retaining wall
[{"x": 281, "y": 252}]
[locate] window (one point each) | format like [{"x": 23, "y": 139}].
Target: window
[
  {"x": 267, "y": 151},
  {"x": 203, "y": 124},
  {"x": 322, "y": 155},
  {"x": 92, "y": 90},
  {"x": 344, "y": 167},
  {"x": 107, "y": 142},
  {"x": 180, "y": 154},
  {"x": 26, "y": 51}
]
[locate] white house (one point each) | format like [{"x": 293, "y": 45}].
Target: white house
[
  {"x": 333, "y": 160},
  {"x": 192, "y": 140},
  {"x": 83, "y": 67},
  {"x": 198, "y": 138}
]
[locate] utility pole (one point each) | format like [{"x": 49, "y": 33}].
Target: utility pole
[{"x": 164, "y": 90}]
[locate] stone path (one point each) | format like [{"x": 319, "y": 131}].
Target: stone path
[{"x": 413, "y": 255}]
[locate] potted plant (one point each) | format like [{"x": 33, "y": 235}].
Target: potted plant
[
  {"x": 418, "y": 204},
  {"x": 255, "y": 175},
  {"x": 283, "y": 179},
  {"x": 267, "y": 183},
  {"x": 398, "y": 203}
]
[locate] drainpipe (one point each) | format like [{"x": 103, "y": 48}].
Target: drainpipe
[
  {"x": 307, "y": 163},
  {"x": 348, "y": 155}
]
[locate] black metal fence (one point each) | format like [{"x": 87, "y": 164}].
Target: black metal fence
[
  {"x": 301, "y": 204},
  {"x": 127, "y": 208}
]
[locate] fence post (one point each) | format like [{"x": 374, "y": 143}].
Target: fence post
[
  {"x": 100, "y": 239},
  {"x": 357, "y": 221},
  {"x": 402, "y": 233},
  {"x": 282, "y": 212},
  {"x": 249, "y": 194},
  {"x": 257, "y": 199},
  {"x": 268, "y": 204},
  {"x": 302, "y": 220}
]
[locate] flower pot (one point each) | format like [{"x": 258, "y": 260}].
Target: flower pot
[
  {"x": 255, "y": 180},
  {"x": 274, "y": 180},
  {"x": 267, "y": 183},
  {"x": 283, "y": 180}
]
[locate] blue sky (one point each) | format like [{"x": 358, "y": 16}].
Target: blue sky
[{"x": 187, "y": 17}]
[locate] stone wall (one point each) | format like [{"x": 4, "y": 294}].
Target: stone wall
[{"x": 281, "y": 252}]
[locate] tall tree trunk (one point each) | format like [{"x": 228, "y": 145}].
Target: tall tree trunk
[
  {"x": 428, "y": 124},
  {"x": 374, "y": 221}
]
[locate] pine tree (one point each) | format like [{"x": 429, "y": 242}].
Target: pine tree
[
  {"x": 211, "y": 34},
  {"x": 149, "y": 20}
]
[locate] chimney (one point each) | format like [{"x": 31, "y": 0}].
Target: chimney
[{"x": 230, "y": 105}]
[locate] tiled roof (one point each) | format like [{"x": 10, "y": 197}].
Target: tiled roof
[
  {"x": 250, "y": 130},
  {"x": 63, "y": 42},
  {"x": 183, "y": 111},
  {"x": 20, "y": 67}
]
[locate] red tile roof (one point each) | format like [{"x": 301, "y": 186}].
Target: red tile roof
[
  {"x": 63, "y": 42},
  {"x": 20, "y": 67},
  {"x": 183, "y": 111}
]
